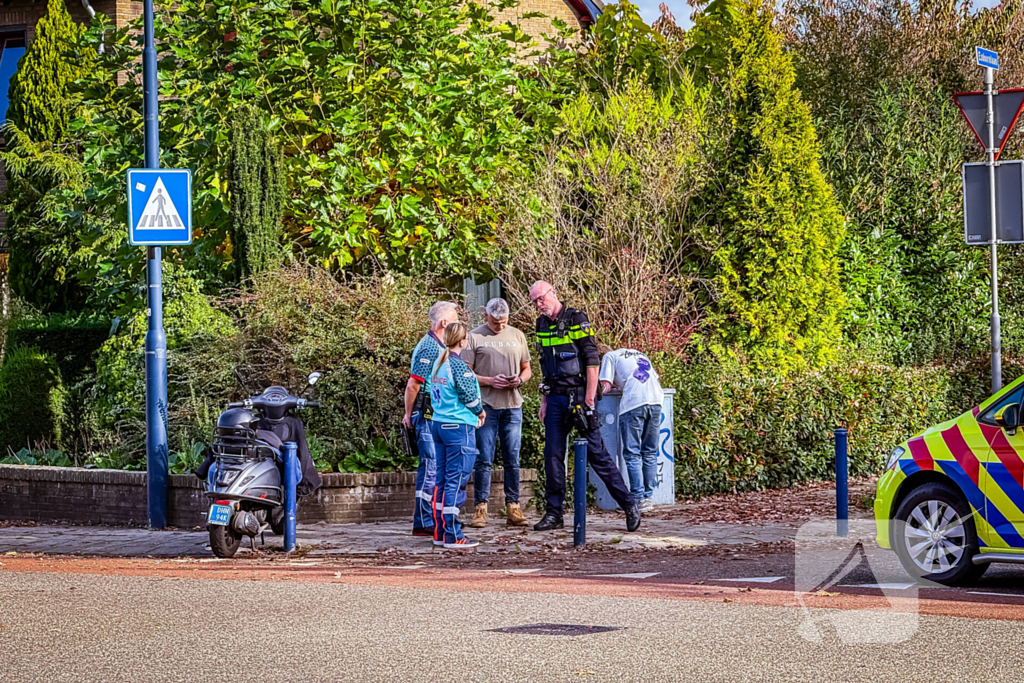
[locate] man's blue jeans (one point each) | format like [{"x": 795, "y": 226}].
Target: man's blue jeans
[
  {"x": 426, "y": 473},
  {"x": 456, "y": 453},
  {"x": 638, "y": 432},
  {"x": 508, "y": 423}
]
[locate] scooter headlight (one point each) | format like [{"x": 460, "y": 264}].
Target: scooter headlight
[{"x": 894, "y": 457}]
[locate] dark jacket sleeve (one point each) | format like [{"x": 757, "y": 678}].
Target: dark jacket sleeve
[
  {"x": 311, "y": 479},
  {"x": 585, "y": 340}
]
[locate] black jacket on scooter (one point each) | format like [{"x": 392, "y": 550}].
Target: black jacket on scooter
[{"x": 287, "y": 429}]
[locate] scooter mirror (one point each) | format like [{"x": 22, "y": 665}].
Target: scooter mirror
[{"x": 313, "y": 377}]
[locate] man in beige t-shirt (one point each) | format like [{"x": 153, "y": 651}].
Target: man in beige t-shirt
[{"x": 500, "y": 357}]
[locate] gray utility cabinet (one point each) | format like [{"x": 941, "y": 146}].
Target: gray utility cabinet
[{"x": 665, "y": 491}]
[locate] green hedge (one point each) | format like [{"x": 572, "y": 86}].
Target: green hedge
[
  {"x": 740, "y": 430},
  {"x": 71, "y": 341},
  {"x": 32, "y": 400}
]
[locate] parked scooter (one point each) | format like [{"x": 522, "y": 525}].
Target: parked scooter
[{"x": 243, "y": 474}]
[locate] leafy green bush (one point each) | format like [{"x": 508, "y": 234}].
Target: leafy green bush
[
  {"x": 32, "y": 400},
  {"x": 360, "y": 334},
  {"x": 48, "y": 457},
  {"x": 192, "y": 326}
]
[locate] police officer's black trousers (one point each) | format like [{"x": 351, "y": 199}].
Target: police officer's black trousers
[{"x": 557, "y": 426}]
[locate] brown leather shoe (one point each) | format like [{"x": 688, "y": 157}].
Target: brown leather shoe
[
  {"x": 515, "y": 516},
  {"x": 480, "y": 517}
]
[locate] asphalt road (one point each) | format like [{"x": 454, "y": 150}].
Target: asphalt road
[{"x": 69, "y": 626}]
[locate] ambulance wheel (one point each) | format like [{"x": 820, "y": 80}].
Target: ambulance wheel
[
  {"x": 277, "y": 520},
  {"x": 935, "y": 537},
  {"x": 224, "y": 541}
]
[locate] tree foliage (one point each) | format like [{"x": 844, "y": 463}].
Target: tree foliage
[
  {"x": 40, "y": 102},
  {"x": 773, "y": 219},
  {"x": 395, "y": 119},
  {"x": 257, "y": 194}
]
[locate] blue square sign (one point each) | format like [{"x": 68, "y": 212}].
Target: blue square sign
[{"x": 159, "y": 206}]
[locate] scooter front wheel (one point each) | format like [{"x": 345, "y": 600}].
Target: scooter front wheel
[{"x": 224, "y": 540}]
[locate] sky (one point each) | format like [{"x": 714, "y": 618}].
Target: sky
[{"x": 649, "y": 9}]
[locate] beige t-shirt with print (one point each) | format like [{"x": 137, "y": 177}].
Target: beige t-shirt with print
[{"x": 491, "y": 354}]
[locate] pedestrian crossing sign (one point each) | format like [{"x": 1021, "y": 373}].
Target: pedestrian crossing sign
[{"x": 159, "y": 206}]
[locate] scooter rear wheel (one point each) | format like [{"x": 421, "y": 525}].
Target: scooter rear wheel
[
  {"x": 276, "y": 516},
  {"x": 224, "y": 540}
]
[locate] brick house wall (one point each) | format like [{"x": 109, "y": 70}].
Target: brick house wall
[{"x": 558, "y": 9}]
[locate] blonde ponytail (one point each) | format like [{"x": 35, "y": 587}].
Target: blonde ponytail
[{"x": 453, "y": 335}]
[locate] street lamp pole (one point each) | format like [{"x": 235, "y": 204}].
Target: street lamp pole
[{"x": 156, "y": 340}]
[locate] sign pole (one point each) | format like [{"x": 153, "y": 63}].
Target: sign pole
[
  {"x": 990, "y": 161},
  {"x": 156, "y": 340}
]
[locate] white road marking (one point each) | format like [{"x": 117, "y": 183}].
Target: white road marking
[
  {"x": 627, "y": 576},
  {"x": 1005, "y": 595},
  {"x": 412, "y": 566},
  {"x": 882, "y": 586},
  {"x": 513, "y": 571},
  {"x": 757, "y": 579}
]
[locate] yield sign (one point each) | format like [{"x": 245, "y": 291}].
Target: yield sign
[{"x": 1007, "y": 104}]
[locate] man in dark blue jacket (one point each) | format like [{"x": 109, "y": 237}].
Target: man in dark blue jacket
[{"x": 570, "y": 362}]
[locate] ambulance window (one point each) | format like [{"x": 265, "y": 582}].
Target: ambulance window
[{"x": 988, "y": 417}]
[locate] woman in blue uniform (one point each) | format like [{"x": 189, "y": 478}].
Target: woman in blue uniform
[{"x": 458, "y": 411}]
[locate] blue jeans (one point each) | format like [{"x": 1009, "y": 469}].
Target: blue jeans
[
  {"x": 509, "y": 422},
  {"x": 638, "y": 432},
  {"x": 456, "y": 453},
  {"x": 426, "y": 473}
]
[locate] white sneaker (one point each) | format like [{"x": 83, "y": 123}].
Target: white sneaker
[
  {"x": 646, "y": 505},
  {"x": 462, "y": 544},
  {"x": 438, "y": 543}
]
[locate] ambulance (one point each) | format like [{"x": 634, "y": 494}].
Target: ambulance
[{"x": 951, "y": 500}]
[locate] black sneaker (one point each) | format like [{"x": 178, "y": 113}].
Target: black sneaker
[
  {"x": 633, "y": 517},
  {"x": 423, "y": 531},
  {"x": 549, "y": 521}
]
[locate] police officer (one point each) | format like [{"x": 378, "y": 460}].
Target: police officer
[{"x": 571, "y": 363}]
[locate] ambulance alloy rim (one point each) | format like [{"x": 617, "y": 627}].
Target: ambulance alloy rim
[{"x": 935, "y": 537}]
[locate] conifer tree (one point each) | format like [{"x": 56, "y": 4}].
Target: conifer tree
[
  {"x": 41, "y": 165},
  {"x": 778, "y": 226},
  {"x": 256, "y": 187},
  {"x": 39, "y": 90}
]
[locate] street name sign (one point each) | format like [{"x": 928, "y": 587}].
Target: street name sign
[
  {"x": 987, "y": 58},
  {"x": 1007, "y": 104},
  {"x": 159, "y": 207},
  {"x": 1009, "y": 203}
]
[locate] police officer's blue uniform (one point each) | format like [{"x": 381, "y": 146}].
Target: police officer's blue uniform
[{"x": 567, "y": 348}]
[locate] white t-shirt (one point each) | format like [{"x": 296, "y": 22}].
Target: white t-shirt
[{"x": 632, "y": 373}]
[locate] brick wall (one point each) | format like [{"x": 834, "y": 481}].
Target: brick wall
[
  {"x": 86, "y": 496},
  {"x": 534, "y": 27}
]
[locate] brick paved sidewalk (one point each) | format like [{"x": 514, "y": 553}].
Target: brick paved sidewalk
[
  {"x": 381, "y": 538},
  {"x": 721, "y": 520}
]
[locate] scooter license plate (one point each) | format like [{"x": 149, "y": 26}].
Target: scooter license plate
[{"x": 219, "y": 515}]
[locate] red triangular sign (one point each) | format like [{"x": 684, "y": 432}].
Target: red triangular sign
[{"x": 1007, "y": 104}]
